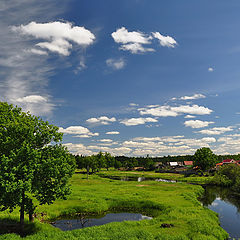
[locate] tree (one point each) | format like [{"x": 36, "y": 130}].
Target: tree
[
  {"x": 31, "y": 166},
  {"x": 109, "y": 160},
  {"x": 204, "y": 158}
]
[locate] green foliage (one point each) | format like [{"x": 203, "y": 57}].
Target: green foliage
[
  {"x": 229, "y": 176},
  {"x": 204, "y": 158},
  {"x": 29, "y": 166},
  {"x": 96, "y": 162}
]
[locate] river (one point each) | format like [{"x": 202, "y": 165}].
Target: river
[{"x": 223, "y": 202}]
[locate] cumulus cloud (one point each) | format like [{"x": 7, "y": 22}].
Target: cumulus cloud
[
  {"x": 197, "y": 123},
  {"x": 59, "y": 35},
  {"x": 169, "y": 111},
  {"x": 136, "y": 41},
  {"x": 189, "y": 116},
  {"x": 32, "y": 99},
  {"x": 35, "y": 104},
  {"x": 193, "y": 97},
  {"x": 79, "y": 149},
  {"x": 133, "y": 104},
  {"x": 113, "y": 133},
  {"x": 137, "y": 121},
  {"x": 158, "y": 111},
  {"x": 216, "y": 130},
  {"x": 165, "y": 41},
  {"x": 101, "y": 120},
  {"x": 106, "y": 140},
  {"x": 210, "y": 69},
  {"x": 78, "y": 131},
  {"x": 38, "y": 51},
  {"x": 116, "y": 64},
  {"x": 135, "y": 48}
]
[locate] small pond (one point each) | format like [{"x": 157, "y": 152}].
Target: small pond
[
  {"x": 222, "y": 201},
  {"x": 71, "y": 224}
]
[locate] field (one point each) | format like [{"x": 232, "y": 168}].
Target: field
[{"x": 171, "y": 203}]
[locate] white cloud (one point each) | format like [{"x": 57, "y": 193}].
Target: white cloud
[
  {"x": 210, "y": 69},
  {"x": 35, "y": 104},
  {"x": 38, "y": 51},
  {"x": 197, "y": 123},
  {"x": 168, "y": 111},
  {"x": 216, "y": 130},
  {"x": 137, "y": 121},
  {"x": 195, "y": 96},
  {"x": 58, "y": 35},
  {"x": 135, "y": 41},
  {"x": 161, "y": 111},
  {"x": 113, "y": 133},
  {"x": 79, "y": 149},
  {"x": 165, "y": 41},
  {"x": 123, "y": 36},
  {"x": 78, "y": 131},
  {"x": 189, "y": 116},
  {"x": 106, "y": 140},
  {"x": 116, "y": 64},
  {"x": 32, "y": 99},
  {"x": 101, "y": 120},
  {"x": 135, "y": 48},
  {"x": 194, "y": 109},
  {"x": 133, "y": 104}
]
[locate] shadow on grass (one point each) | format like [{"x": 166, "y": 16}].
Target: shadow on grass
[{"x": 13, "y": 226}]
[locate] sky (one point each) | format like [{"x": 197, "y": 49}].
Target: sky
[{"x": 129, "y": 77}]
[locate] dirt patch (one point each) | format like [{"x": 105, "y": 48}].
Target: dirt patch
[{"x": 141, "y": 185}]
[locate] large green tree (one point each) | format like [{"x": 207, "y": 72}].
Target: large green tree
[
  {"x": 34, "y": 169},
  {"x": 204, "y": 158}
]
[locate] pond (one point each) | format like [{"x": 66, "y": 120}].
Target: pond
[
  {"x": 81, "y": 222},
  {"x": 222, "y": 201}
]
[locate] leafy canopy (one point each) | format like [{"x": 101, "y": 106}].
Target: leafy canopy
[
  {"x": 31, "y": 166},
  {"x": 204, "y": 158}
]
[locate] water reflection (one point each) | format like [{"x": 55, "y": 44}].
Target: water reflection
[
  {"x": 138, "y": 179},
  {"x": 227, "y": 205},
  {"x": 83, "y": 221}
]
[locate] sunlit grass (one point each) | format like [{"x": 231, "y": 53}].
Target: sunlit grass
[{"x": 174, "y": 203}]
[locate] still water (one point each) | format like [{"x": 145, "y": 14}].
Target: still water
[
  {"x": 227, "y": 206},
  {"x": 138, "y": 179},
  {"x": 81, "y": 222}
]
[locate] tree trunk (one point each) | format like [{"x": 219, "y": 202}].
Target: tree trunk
[
  {"x": 31, "y": 217},
  {"x": 87, "y": 171},
  {"x": 22, "y": 210}
]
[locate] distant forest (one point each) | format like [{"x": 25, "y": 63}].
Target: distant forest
[
  {"x": 175, "y": 158},
  {"x": 105, "y": 160}
]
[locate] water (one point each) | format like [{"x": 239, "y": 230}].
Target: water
[
  {"x": 222, "y": 201},
  {"x": 81, "y": 222},
  {"x": 138, "y": 179}
]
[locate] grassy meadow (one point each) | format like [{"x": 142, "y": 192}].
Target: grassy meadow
[{"x": 171, "y": 203}]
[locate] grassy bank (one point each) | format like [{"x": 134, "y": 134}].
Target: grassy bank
[{"x": 171, "y": 203}]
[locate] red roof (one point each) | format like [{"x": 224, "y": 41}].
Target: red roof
[
  {"x": 188, "y": 163},
  {"x": 228, "y": 161}
]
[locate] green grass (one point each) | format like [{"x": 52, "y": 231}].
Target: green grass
[{"x": 172, "y": 203}]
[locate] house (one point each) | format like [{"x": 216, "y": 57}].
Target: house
[
  {"x": 188, "y": 163},
  {"x": 173, "y": 164},
  {"x": 227, "y": 161},
  {"x": 180, "y": 164}
]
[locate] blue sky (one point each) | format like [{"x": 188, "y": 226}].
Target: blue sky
[{"x": 129, "y": 77}]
